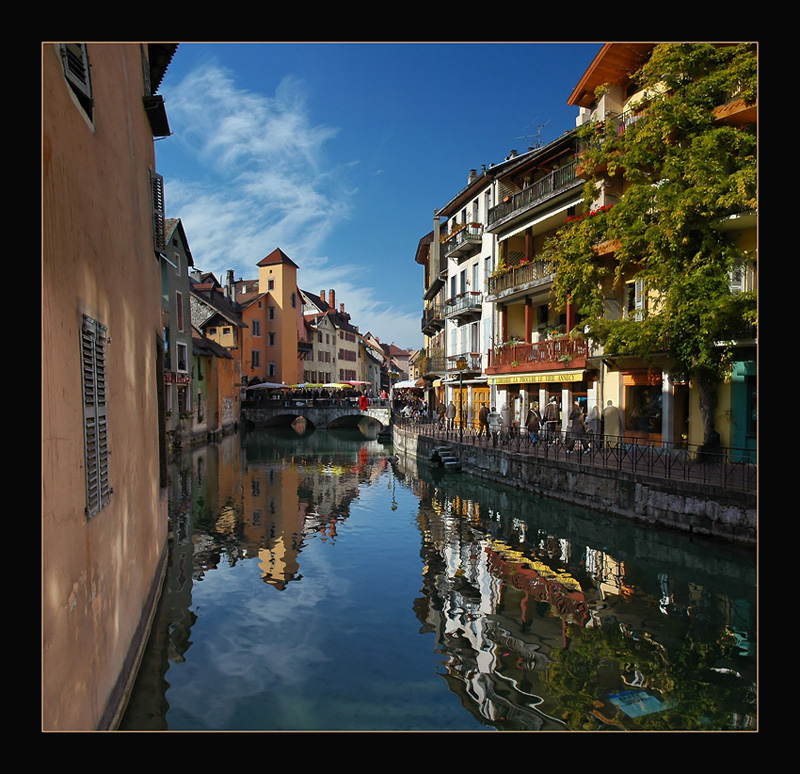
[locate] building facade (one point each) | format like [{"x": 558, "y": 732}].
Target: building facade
[
  {"x": 176, "y": 265},
  {"x": 494, "y": 331},
  {"x": 656, "y": 404},
  {"x": 104, "y": 505}
]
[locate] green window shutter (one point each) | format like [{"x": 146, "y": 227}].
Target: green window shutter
[{"x": 95, "y": 415}]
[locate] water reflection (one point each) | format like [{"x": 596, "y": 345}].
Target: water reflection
[{"x": 318, "y": 582}]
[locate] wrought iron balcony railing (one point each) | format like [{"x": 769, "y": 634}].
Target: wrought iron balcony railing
[
  {"x": 519, "y": 275},
  {"x": 557, "y": 181}
]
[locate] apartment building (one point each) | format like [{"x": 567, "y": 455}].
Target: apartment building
[
  {"x": 533, "y": 358},
  {"x": 176, "y": 265},
  {"x": 337, "y": 345},
  {"x": 501, "y": 327},
  {"x": 658, "y": 402}
]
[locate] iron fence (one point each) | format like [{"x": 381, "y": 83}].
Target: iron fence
[{"x": 726, "y": 467}]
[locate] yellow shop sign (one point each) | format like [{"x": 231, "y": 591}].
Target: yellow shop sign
[{"x": 547, "y": 376}]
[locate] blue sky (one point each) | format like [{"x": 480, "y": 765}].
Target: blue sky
[{"x": 340, "y": 153}]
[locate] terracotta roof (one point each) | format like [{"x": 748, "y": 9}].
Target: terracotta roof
[{"x": 277, "y": 256}]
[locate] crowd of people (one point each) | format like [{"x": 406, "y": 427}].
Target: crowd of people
[
  {"x": 542, "y": 426},
  {"x": 318, "y": 396}
]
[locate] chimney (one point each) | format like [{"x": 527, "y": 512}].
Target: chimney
[
  {"x": 473, "y": 174},
  {"x": 230, "y": 291},
  {"x": 332, "y": 300},
  {"x": 341, "y": 308},
  {"x": 322, "y": 296}
]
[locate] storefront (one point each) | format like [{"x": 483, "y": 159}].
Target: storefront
[
  {"x": 468, "y": 398},
  {"x": 520, "y": 391}
]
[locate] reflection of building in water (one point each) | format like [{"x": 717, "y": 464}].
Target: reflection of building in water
[
  {"x": 286, "y": 503},
  {"x": 496, "y": 615},
  {"x": 607, "y": 573}
]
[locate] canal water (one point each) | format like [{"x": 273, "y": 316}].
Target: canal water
[{"x": 319, "y": 583}]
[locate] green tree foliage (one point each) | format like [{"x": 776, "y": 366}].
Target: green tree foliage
[{"x": 683, "y": 174}]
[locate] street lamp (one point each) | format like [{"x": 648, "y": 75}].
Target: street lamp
[{"x": 461, "y": 364}]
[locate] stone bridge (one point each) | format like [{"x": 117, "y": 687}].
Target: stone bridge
[{"x": 320, "y": 417}]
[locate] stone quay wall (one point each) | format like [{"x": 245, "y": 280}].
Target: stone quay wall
[{"x": 682, "y": 505}]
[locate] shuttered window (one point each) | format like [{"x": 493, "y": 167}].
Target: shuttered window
[
  {"x": 157, "y": 195},
  {"x": 95, "y": 415},
  {"x": 76, "y": 71}
]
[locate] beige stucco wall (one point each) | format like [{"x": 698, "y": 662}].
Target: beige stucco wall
[{"x": 97, "y": 259}]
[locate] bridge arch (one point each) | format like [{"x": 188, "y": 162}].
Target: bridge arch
[{"x": 320, "y": 417}]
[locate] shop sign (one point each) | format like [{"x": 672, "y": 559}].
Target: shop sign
[{"x": 549, "y": 376}]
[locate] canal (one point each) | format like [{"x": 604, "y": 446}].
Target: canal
[{"x": 319, "y": 583}]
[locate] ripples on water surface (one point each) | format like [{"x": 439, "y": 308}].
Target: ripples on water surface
[{"x": 320, "y": 584}]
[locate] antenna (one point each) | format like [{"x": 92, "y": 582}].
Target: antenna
[{"x": 538, "y": 134}]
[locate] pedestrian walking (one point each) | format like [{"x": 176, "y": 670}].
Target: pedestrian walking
[
  {"x": 577, "y": 429},
  {"x": 593, "y": 425},
  {"x": 533, "y": 422},
  {"x": 494, "y": 425},
  {"x": 483, "y": 421},
  {"x": 440, "y": 414},
  {"x": 451, "y": 415},
  {"x": 505, "y": 423},
  {"x": 612, "y": 424},
  {"x": 551, "y": 417}
]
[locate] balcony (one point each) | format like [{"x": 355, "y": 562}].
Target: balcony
[
  {"x": 432, "y": 319},
  {"x": 465, "y": 307},
  {"x": 304, "y": 349},
  {"x": 557, "y": 182},
  {"x": 551, "y": 354},
  {"x": 464, "y": 242},
  {"x": 467, "y": 362},
  {"x": 518, "y": 278}
]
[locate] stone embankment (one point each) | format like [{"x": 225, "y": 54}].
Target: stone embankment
[{"x": 697, "y": 508}]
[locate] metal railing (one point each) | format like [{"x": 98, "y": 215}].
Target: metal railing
[
  {"x": 541, "y": 190},
  {"x": 559, "y": 349},
  {"x": 724, "y": 467}
]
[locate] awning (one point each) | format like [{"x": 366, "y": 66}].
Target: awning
[
  {"x": 408, "y": 384},
  {"x": 539, "y": 377},
  {"x": 268, "y": 386},
  {"x": 535, "y": 221}
]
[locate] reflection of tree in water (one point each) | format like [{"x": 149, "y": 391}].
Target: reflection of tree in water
[
  {"x": 534, "y": 638},
  {"x": 681, "y": 688}
]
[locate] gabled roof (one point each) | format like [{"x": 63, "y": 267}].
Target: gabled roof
[
  {"x": 174, "y": 224},
  {"x": 613, "y": 64},
  {"x": 204, "y": 347},
  {"x": 275, "y": 257},
  {"x": 339, "y": 319},
  {"x": 212, "y": 297}
]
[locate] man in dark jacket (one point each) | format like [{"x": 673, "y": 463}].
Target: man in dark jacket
[
  {"x": 483, "y": 421},
  {"x": 551, "y": 417}
]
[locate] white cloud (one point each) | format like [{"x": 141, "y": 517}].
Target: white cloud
[{"x": 255, "y": 177}]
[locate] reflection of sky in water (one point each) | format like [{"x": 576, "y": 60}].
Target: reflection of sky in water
[
  {"x": 289, "y": 654},
  {"x": 401, "y": 622}
]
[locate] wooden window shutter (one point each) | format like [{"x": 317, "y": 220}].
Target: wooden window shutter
[
  {"x": 159, "y": 227},
  {"x": 95, "y": 415},
  {"x": 76, "y": 68}
]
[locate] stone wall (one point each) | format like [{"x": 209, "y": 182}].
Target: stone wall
[{"x": 682, "y": 505}]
